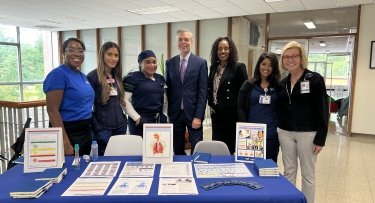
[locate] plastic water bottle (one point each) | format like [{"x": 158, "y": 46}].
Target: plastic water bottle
[
  {"x": 94, "y": 155},
  {"x": 76, "y": 164}
]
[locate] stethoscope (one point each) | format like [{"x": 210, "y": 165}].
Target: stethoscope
[{"x": 305, "y": 77}]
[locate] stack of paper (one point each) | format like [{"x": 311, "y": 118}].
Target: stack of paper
[
  {"x": 33, "y": 189},
  {"x": 266, "y": 167},
  {"x": 53, "y": 174}
]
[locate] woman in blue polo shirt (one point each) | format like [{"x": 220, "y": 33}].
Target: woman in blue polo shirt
[
  {"x": 108, "y": 117},
  {"x": 145, "y": 94},
  {"x": 258, "y": 100},
  {"x": 70, "y": 98}
]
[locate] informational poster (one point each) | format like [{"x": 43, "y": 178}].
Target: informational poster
[
  {"x": 250, "y": 141},
  {"x": 157, "y": 143},
  {"x": 43, "y": 148}
]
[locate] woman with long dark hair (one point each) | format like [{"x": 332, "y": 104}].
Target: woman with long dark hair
[
  {"x": 108, "y": 116},
  {"x": 258, "y": 100},
  {"x": 224, "y": 82}
]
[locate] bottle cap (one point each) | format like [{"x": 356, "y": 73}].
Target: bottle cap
[
  {"x": 86, "y": 157},
  {"x": 94, "y": 142},
  {"x": 76, "y": 146}
]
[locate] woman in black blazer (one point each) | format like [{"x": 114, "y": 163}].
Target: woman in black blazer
[{"x": 224, "y": 82}]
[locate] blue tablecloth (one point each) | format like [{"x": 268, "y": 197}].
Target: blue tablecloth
[{"x": 276, "y": 189}]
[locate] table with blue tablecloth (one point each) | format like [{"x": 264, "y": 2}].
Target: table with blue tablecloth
[{"x": 276, "y": 189}]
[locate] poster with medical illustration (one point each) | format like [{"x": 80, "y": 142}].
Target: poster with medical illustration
[
  {"x": 250, "y": 141},
  {"x": 157, "y": 143}
]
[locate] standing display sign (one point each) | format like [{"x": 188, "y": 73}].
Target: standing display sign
[
  {"x": 43, "y": 148},
  {"x": 250, "y": 141}
]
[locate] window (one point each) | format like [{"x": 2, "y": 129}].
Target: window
[{"x": 24, "y": 63}]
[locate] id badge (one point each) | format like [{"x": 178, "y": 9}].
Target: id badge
[
  {"x": 305, "y": 87},
  {"x": 264, "y": 99},
  {"x": 113, "y": 92}
]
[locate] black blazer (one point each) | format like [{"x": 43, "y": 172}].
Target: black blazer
[{"x": 231, "y": 80}]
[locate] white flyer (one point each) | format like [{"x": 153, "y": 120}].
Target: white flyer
[
  {"x": 101, "y": 169},
  {"x": 131, "y": 186},
  {"x": 88, "y": 187},
  {"x": 137, "y": 169},
  {"x": 177, "y": 186},
  {"x": 176, "y": 169}
]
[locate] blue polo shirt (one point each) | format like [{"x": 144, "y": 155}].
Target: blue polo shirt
[
  {"x": 78, "y": 98},
  {"x": 264, "y": 113}
]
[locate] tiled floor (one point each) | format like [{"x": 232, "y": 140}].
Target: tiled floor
[{"x": 345, "y": 170}]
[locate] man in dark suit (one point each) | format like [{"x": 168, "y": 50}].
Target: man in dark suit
[{"x": 187, "y": 76}]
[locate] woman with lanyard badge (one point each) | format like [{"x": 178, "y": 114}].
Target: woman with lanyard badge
[
  {"x": 258, "y": 100},
  {"x": 303, "y": 117},
  {"x": 145, "y": 94},
  {"x": 108, "y": 116}
]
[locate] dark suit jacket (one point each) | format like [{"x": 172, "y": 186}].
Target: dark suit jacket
[
  {"x": 193, "y": 90},
  {"x": 231, "y": 80}
]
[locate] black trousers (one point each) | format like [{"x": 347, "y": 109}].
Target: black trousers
[
  {"x": 179, "y": 128},
  {"x": 79, "y": 132},
  {"x": 224, "y": 127},
  {"x": 272, "y": 148}
]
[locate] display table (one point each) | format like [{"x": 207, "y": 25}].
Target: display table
[{"x": 276, "y": 189}]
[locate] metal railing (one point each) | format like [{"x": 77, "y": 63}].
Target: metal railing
[{"x": 13, "y": 115}]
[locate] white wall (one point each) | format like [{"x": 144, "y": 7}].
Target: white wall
[
  {"x": 89, "y": 38},
  {"x": 156, "y": 40},
  {"x": 108, "y": 35},
  {"x": 130, "y": 48},
  {"x": 363, "y": 107},
  {"x": 210, "y": 30},
  {"x": 241, "y": 36}
]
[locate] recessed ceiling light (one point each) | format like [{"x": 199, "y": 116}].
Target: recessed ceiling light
[
  {"x": 270, "y": 1},
  {"x": 61, "y": 20},
  {"x": 309, "y": 24},
  {"x": 46, "y": 26},
  {"x": 322, "y": 43},
  {"x": 153, "y": 10}
]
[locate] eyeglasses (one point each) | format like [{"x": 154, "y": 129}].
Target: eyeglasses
[
  {"x": 293, "y": 57},
  {"x": 75, "y": 51}
]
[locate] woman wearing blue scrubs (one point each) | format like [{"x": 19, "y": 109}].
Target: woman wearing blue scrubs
[
  {"x": 108, "y": 116},
  {"x": 258, "y": 100},
  {"x": 145, "y": 94}
]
